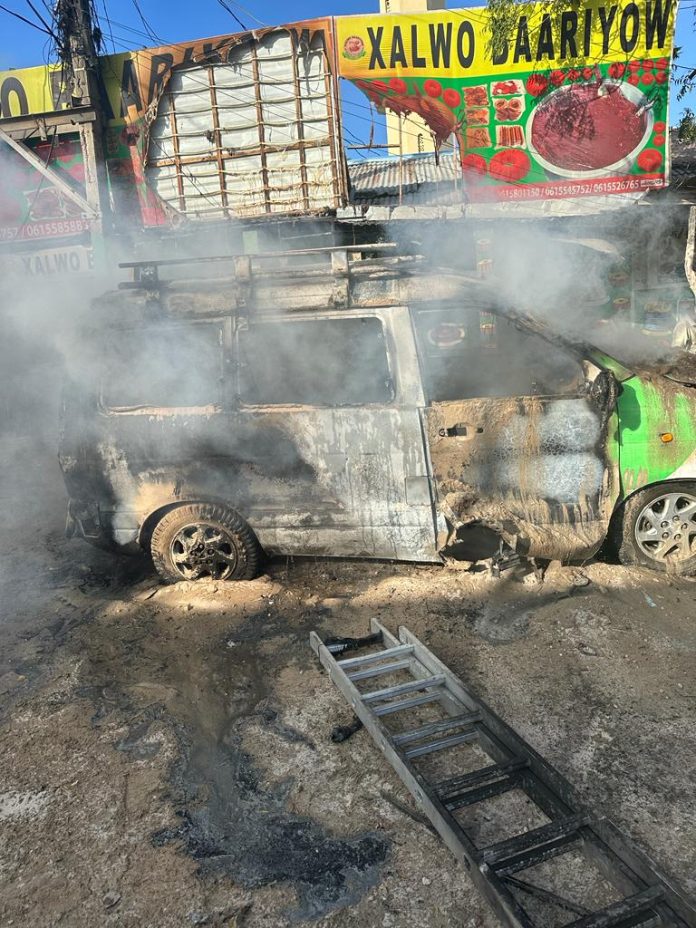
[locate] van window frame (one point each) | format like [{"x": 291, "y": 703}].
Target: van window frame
[
  {"x": 224, "y": 327},
  {"x": 419, "y": 309},
  {"x": 290, "y": 318}
]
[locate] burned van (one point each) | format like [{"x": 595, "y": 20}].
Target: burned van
[{"x": 356, "y": 403}]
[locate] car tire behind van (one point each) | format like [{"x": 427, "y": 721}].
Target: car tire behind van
[
  {"x": 656, "y": 528},
  {"x": 204, "y": 540}
]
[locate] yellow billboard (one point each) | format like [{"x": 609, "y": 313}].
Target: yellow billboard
[
  {"x": 26, "y": 91},
  {"x": 566, "y": 103},
  {"x": 457, "y": 43}
]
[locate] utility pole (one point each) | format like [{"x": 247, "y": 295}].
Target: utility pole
[
  {"x": 77, "y": 115},
  {"x": 78, "y": 40}
]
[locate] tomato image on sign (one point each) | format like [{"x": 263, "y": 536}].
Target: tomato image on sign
[{"x": 353, "y": 47}]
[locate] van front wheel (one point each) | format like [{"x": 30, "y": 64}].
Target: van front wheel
[
  {"x": 657, "y": 528},
  {"x": 204, "y": 540}
]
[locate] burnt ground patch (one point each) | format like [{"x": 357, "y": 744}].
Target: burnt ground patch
[
  {"x": 242, "y": 828},
  {"x": 231, "y": 820}
]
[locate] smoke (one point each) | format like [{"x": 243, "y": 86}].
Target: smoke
[
  {"x": 615, "y": 290},
  {"x": 188, "y": 395},
  {"x": 613, "y": 281}
]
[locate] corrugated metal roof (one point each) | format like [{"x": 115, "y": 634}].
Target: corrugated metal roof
[
  {"x": 380, "y": 177},
  {"x": 427, "y": 180}
]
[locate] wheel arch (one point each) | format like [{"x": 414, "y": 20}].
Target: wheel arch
[
  {"x": 148, "y": 524},
  {"x": 668, "y": 481}
]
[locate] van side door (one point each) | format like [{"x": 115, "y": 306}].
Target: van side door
[
  {"x": 333, "y": 457},
  {"x": 516, "y": 440}
]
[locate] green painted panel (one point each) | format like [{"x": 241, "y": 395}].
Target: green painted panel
[{"x": 648, "y": 408}]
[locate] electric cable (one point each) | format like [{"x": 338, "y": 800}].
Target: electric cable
[
  {"x": 109, "y": 25},
  {"x": 38, "y": 15},
  {"x": 146, "y": 25},
  {"x": 27, "y": 21},
  {"x": 234, "y": 16},
  {"x": 249, "y": 13}
]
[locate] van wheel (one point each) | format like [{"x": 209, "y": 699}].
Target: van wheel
[
  {"x": 204, "y": 540},
  {"x": 657, "y": 528}
]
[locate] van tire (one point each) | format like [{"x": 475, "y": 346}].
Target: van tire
[
  {"x": 204, "y": 540},
  {"x": 632, "y": 516}
]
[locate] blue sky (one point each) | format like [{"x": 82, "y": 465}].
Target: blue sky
[{"x": 179, "y": 20}]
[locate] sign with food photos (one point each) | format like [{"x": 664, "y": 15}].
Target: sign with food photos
[{"x": 567, "y": 103}]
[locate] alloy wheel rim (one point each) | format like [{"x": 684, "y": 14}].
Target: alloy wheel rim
[
  {"x": 665, "y": 530},
  {"x": 200, "y": 550}
]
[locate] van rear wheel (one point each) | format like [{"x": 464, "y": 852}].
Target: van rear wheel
[
  {"x": 657, "y": 528},
  {"x": 204, "y": 540}
]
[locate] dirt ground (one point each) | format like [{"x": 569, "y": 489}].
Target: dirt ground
[{"x": 165, "y": 756}]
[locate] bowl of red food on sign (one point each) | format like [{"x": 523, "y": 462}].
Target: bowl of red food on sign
[{"x": 590, "y": 130}]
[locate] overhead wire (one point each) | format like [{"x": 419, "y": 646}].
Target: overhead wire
[
  {"x": 249, "y": 13},
  {"x": 109, "y": 24},
  {"x": 138, "y": 32},
  {"x": 27, "y": 21},
  {"x": 234, "y": 16},
  {"x": 43, "y": 22},
  {"x": 146, "y": 25}
]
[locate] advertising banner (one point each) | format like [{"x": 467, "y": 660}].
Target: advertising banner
[
  {"x": 567, "y": 103},
  {"x": 136, "y": 85},
  {"x": 31, "y": 209},
  {"x": 25, "y": 91},
  {"x": 257, "y": 83}
]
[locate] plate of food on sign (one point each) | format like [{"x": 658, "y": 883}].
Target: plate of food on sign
[
  {"x": 603, "y": 121},
  {"x": 586, "y": 124}
]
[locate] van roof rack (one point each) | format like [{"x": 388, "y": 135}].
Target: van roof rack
[
  {"x": 146, "y": 273},
  {"x": 158, "y": 262}
]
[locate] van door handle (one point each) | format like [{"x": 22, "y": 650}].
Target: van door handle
[{"x": 460, "y": 430}]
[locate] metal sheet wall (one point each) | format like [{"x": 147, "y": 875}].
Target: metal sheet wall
[{"x": 256, "y": 134}]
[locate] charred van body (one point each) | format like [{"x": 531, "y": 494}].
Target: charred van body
[{"x": 354, "y": 403}]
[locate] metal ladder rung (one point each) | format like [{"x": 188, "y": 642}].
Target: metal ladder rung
[
  {"x": 454, "y": 785},
  {"x": 537, "y": 855},
  {"x": 400, "y": 688},
  {"x": 499, "y": 852},
  {"x": 404, "y": 704},
  {"x": 454, "y": 721},
  {"x": 476, "y": 794},
  {"x": 625, "y": 912},
  {"x": 377, "y": 656},
  {"x": 421, "y": 749},
  {"x": 378, "y": 671},
  {"x": 572, "y": 834}
]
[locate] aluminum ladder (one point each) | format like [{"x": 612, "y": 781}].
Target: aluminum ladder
[{"x": 647, "y": 896}]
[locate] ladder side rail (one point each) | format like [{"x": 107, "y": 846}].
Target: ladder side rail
[
  {"x": 548, "y": 775},
  {"x": 545, "y": 798},
  {"x": 388, "y": 637},
  {"x": 493, "y": 889},
  {"x": 450, "y": 705},
  {"x": 548, "y": 800},
  {"x": 624, "y": 853},
  {"x": 554, "y": 799},
  {"x": 620, "y": 861},
  {"x": 612, "y": 866}
]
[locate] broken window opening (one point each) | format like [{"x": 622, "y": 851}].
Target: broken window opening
[
  {"x": 468, "y": 353},
  {"x": 323, "y": 362},
  {"x": 175, "y": 367}
]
